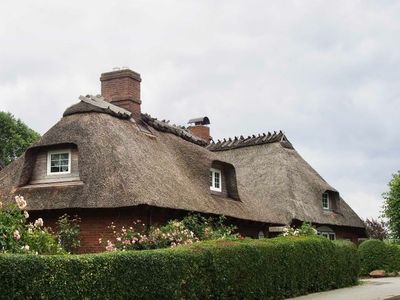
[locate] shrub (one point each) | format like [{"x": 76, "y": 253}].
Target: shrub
[
  {"x": 376, "y": 254},
  {"x": 223, "y": 269},
  {"x": 305, "y": 229},
  {"x": 17, "y": 236},
  {"x": 68, "y": 233},
  {"x": 191, "y": 229}
]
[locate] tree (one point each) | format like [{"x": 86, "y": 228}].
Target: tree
[
  {"x": 376, "y": 229},
  {"x": 391, "y": 207},
  {"x": 15, "y": 137}
]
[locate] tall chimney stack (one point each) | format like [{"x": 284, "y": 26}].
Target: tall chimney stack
[
  {"x": 200, "y": 128},
  {"x": 122, "y": 88}
]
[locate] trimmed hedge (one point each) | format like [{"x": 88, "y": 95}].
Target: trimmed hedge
[
  {"x": 379, "y": 255},
  {"x": 249, "y": 269}
]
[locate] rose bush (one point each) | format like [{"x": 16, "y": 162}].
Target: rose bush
[
  {"x": 191, "y": 229},
  {"x": 305, "y": 229},
  {"x": 19, "y": 236}
]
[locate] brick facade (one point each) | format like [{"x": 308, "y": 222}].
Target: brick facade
[{"x": 95, "y": 222}]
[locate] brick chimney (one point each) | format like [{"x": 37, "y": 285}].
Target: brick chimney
[
  {"x": 200, "y": 128},
  {"x": 122, "y": 88}
]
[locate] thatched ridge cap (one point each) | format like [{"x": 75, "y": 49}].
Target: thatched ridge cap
[
  {"x": 180, "y": 131},
  {"x": 90, "y": 103},
  {"x": 260, "y": 139}
]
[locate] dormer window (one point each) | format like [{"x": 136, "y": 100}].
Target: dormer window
[
  {"x": 59, "y": 162},
  {"x": 215, "y": 180},
  {"x": 325, "y": 201}
]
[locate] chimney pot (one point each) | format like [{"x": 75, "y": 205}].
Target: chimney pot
[
  {"x": 200, "y": 128},
  {"x": 122, "y": 88}
]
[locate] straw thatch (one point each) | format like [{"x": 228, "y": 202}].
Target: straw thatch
[{"x": 125, "y": 163}]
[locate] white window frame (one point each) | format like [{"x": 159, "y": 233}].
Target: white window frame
[
  {"x": 212, "y": 187},
  {"x": 327, "y": 198},
  {"x": 328, "y": 235},
  {"x": 49, "y": 173}
]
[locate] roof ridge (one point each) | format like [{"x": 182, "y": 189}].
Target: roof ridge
[
  {"x": 260, "y": 139},
  {"x": 177, "y": 130}
]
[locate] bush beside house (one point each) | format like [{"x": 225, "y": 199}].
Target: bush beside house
[
  {"x": 224, "y": 269},
  {"x": 379, "y": 255}
]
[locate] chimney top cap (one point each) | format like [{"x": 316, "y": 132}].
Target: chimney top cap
[
  {"x": 200, "y": 121},
  {"x": 120, "y": 73}
]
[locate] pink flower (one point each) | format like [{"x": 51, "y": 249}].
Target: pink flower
[
  {"x": 21, "y": 203},
  {"x": 17, "y": 236},
  {"x": 39, "y": 222},
  {"x": 110, "y": 246}
]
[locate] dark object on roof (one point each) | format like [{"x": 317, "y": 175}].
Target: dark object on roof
[
  {"x": 2, "y": 165},
  {"x": 261, "y": 139},
  {"x": 200, "y": 121}
]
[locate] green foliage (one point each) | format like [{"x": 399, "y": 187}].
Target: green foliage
[
  {"x": 209, "y": 228},
  {"x": 191, "y": 229},
  {"x": 224, "y": 269},
  {"x": 17, "y": 236},
  {"x": 379, "y": 255},
  {"x": 391, "y": 207},
  {"x": 306, "y": 229},
  {"x": 68, "y": 233},
  {"x": 15, "y": 137}
]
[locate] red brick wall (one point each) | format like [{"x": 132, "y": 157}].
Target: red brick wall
[
  {"x": 201, "y": 131},
  {"x": 95, "y": 222}
]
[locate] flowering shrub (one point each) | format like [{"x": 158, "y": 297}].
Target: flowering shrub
[
  {"x": 137, "y": 238},
  {"x": 17, "y": 236},
  {"x": 209, "y": 228},
  {"x": 304, "y": 230},
  {"x": 191, "y": 229},
  {"x": 68, "y": 233}
]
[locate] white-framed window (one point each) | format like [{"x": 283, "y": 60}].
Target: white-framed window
[
  {"x": 59, "y": 162},
  {"x": 215, "y": 180},
  {"x": 261, "y": 234},
  {"x": 329, "y": 235},
  {"x": 325, "y": 201}
]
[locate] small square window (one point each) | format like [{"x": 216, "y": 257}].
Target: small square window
[
  {"x": 215, "y": 180},
  {"x": 59, "y": 162}
]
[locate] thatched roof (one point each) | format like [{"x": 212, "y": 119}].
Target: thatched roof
[
  {"x": 124, "y": 163},
  {"x": 274, "y": 177}
]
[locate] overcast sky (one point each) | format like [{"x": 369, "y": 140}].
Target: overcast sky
[{"x": 327, "y": 73}]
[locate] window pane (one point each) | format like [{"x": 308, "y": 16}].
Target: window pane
[
  {"x": 211, "y": 178},
  {"x": 216, "y": 180},
  {"x": 55, "y": 156},
  {"x": 64, "y": 162},
  {"x": 64, "y": 156},
  {"x": 59, "y": 162}
]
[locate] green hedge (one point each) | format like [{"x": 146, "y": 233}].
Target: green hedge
[
  {"x": 379, "y": 255},
  {"x": 248, "y": 269}
]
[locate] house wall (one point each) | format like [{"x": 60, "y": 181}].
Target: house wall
[
  {"x": 39, "y": 173},
  {"x": 95, "y": 222}
]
